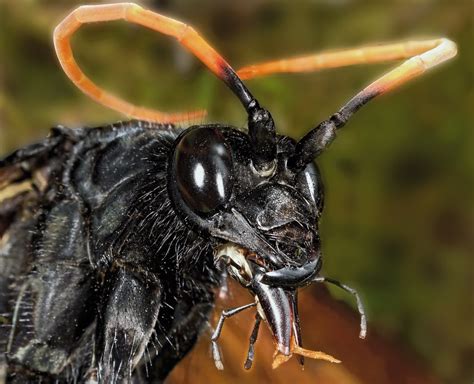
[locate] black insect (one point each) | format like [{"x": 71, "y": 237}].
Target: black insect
[{"x": 115, "y": 238}]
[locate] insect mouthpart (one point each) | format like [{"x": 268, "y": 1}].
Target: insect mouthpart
[{"x": 276, "y": 305}]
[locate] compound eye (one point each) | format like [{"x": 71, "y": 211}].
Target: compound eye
[{"x": 203, "y": 165}]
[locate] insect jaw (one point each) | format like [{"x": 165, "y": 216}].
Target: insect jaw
[
  {"x": 273, "y": 303},
  {"x": 279, "y": 308}
]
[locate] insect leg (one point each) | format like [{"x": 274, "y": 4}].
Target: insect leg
[
  {"x": 55, "y": 302},
  {"x": 126, "y": 318},
  {"x": 190, "y": 314},
  {"x": 133, "y": 13},
  {"x": 360, "y": 306},
  {"x": 296, "y": 325},
  {"x": 217, "y": 332},
  {"x": 53, "y": 309},
  {"x": 253, "y": 339}
]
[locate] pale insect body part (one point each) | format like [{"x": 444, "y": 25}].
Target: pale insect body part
[{"x": 236, "y": 254}]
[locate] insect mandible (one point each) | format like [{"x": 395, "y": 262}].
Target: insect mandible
[{"x": 115, "y": 238}]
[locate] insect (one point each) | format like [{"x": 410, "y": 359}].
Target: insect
[{"x": 115, "y": 238}]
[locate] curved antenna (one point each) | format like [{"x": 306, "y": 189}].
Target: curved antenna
[
  {"x": 261, "y": 127},
  {"x": 421, "y": 55},
  {"x": 370, "y": 54},
  {"x": 133, "y": 13}
]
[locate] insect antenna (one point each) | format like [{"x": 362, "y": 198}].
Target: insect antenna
[
  {"x": 261, "y": 126},
  {"x": 421, "y": 55}
]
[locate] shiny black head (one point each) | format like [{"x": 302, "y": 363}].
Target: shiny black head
[
  {"x": 263, "y": 221},
  {"x": 258, "y": 198},
  {"x": 218, "y": 191}
]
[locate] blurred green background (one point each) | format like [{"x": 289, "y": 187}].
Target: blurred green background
[{"x": 398, "y": 221}]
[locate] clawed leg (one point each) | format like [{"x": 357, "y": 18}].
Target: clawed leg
[
  {"x": 170, "y": 343},
  {"x": 127, "y": 317},
  {"x": 360, "y": 306},
  {"x": 133, "y": 13},
  {"x": 253, "y": 339},
  {"x": 217, "y": 332}
]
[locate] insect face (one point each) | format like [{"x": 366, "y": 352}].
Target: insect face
[
  {"x": 216, "y": 188},
  {"x": 264, "y": 225}
]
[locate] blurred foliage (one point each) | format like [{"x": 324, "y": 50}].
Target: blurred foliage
[{"x": 398, "y": 221}]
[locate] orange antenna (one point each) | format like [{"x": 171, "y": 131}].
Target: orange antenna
[
  {"x": 133, "y": 13},
  {"x": 422, "y": 56}
]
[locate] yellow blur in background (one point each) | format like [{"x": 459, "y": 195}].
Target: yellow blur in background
[{"x": 398, "y": 221}]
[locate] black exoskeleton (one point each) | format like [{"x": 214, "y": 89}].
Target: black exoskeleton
[
  {"x": 111, "y": 253},
  {"x": 95, "y": 266},
  {"x": 113, "y": 239}
]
